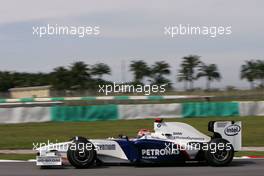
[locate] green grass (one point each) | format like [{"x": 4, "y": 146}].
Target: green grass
[
  {"x": 17, "y": 156},
  {"x": 249, "y": 153},
  {"x": 22, "y": 136}
]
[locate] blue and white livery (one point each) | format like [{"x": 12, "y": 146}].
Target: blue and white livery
[{"x": 171, "y": 142}]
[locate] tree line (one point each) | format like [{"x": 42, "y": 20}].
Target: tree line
[{"x": 81, "y": 76}]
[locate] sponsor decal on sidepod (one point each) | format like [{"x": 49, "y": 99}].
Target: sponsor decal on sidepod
[{"x": 232, "y": 130}]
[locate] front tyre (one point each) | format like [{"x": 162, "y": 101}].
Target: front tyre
[
  {"x": 220, "y": 152},
  {"x": 81, "y": 153}
]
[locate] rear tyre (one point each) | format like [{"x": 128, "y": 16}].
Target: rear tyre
[
  {"x": 220, "y": 152},
  {"x": 81, "y": 153}
]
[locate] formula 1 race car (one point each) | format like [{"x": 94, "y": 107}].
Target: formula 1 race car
[{"x": 171, "y": 142}]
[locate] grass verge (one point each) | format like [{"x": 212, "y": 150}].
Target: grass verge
[
  {"x": 22, "y": 136},
  {"x": 17, "y": 156}
]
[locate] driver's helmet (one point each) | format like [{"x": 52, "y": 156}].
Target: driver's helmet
[{"x": 143, "y": 132}]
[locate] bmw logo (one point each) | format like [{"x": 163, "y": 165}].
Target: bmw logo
[{"x": 158, "y": 125}]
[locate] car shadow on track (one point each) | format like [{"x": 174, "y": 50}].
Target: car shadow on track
[{"x": 236, "y": 163}]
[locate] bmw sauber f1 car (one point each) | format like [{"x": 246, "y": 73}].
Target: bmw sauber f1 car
[{"x": 171, "y": 142}]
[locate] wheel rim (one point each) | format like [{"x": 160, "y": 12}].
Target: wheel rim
[
  {"x": 81, "y": 156},
  {"x": 221, "y": 155}
]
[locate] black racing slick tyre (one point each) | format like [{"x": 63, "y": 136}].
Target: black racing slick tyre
[
  {"x": 220, "y": 152},
  {"x": 81, "y": 153}
]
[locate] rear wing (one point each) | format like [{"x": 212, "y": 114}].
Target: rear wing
[{"x": 229, "y": 130}]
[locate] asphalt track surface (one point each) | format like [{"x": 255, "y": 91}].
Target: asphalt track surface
[{"x": 242, "y": 167}]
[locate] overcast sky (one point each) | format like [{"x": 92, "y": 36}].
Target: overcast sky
[{"x": 131, "y": 30}]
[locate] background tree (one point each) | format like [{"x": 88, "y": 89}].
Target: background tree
[
  {"x": 25, "y": 79},
  {"x": 260, "y": 72},
  {"x": 97, "y": 72},
  {"x": 79, "y": 75},
  {"x": 188, "y": 65},
  {"x": 158, "y": 71},
  {"x": 210, "y": 72},
  {"x": 140, "y": 70},
  {"x": 60, "y": 78},
  {"x": 249, "y": 72},
  {"x": 43, "y": 79},
  {"x": 100, "y": 69},
  {"x": 22, "y": 79},
  {"x": 6, "y": 81}
]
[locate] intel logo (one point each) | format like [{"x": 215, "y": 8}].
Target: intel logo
[{"x": 232, "y": 130}]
